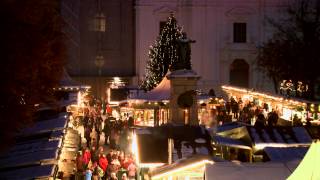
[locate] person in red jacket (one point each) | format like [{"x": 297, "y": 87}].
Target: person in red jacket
[
  {"x": 127, "y": 161},
  {"x": 80, "y": 163},
  {"x": 86, "y": 156},
  {"x": 103, "y": 162}
]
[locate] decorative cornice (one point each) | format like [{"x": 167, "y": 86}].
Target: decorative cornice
[{"x": 240, "y": 11}]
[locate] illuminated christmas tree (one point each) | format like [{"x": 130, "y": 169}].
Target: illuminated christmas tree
[{"x": 164, "y": 55}]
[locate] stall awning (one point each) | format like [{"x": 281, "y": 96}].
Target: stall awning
[
  {"x": 279, "y": 135},
  {"x": 67, "y": 82},
  {"x": 34, "y": 172},
  {"x": 230, "y": 142},
  {"x": 182, "y": 166},
  {"x": 285, "y": 154}
]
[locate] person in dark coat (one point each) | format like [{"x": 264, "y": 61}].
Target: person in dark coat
[
  {"x": 260, "y": 122},
  {"x": 235, "y": 109},
  {"x": 273, "y": 118},
  {"x": 98, "y": 127},
  {"x": 130, "y": 122},
  {"x": 85, "y": 121},
  {"x": 87, "y": 136},
  {"x": 107, "y": 130},
  {"x": 228, "y": 107}
]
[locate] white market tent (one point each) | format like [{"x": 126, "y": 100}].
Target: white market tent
[
  {"x": 246, "y": 171},
  {"x": 309, "y": 166},
  {"x": 159, "y": 93}
]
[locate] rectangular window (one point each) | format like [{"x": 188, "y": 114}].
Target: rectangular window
[
  {"x": 239, "y": 32},
  {"x": 162, "y": 24}
]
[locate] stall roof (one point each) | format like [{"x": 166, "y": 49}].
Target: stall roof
[
  {"x": 178, "y": 165},
  {"x": 159, "y": 93},
  {"x": 279, "y": 134},
  {"x": 68, "y": 82},
  {"x": 285, "y": 154},
  {"x": 230, "y": 142},
  {"x": 186, "y": 136},
  {"x": 293, "y": 101},
  {"x": 33, "y": 158},
  {"x": 229, "y": 126},
  {"x": 47, "y": 125},
  {"x": 309, "y": 166},
  {"x": 33, "y": 172},
  {"x": 247, "y": 171},
  {"x": 32, "y": 147}
]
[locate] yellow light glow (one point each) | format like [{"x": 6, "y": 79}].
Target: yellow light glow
[
  {"x": 151, "y": 165},
  {"x": 199, "y": 163},
  {"x": 79, "y": 100},
  {"x": 263, "y": 145},
  {"x": 108, "y": 95},
  {"x": 134, "y": 147}
]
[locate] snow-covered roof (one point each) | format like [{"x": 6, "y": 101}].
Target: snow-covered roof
[
  {"x": 159, "y": 93},
  {"x": 285, "y": 154},
  {"x": 34, "y": 158},
  {"x": 247, "y": 171},
  {"x": 230, "y": 142},
  {"x": 165, "y": 169},
  {"x": 47, "y": 125},
  {"x": 228, "y": 126},
  {"x": 278, "y": 134},
  {"x": 162, "y": 91},
  {"x": 33, "y": 147},
  {"x": 68, "y": 82},
  {"x": 27, "y": 173}
]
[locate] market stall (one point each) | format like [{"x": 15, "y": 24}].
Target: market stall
[
  {"x": 151, "y": 108},
  {"x": 288, "y": 109}
]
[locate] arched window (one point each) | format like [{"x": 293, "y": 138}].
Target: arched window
[{"x": 239, "y": 73}]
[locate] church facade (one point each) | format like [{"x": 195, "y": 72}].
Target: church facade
[{"x": 227, "y": 33}]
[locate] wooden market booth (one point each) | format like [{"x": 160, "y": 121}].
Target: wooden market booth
[{"x": 287, "y": 108}]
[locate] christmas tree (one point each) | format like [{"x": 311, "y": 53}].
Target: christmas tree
[{"x": 165, "y": 54}]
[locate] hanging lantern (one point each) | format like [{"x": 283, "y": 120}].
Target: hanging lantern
[
  {"x": 99, "y": 22},
  {"x": 99, "y": 62}
]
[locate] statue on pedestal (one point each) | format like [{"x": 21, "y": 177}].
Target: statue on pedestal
[{"x": 184, "y": 53}]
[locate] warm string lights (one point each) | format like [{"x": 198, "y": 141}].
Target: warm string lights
[{"x": 162, "y": 54}]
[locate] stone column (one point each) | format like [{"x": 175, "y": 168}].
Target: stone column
[{"x": 182, "y": 81}]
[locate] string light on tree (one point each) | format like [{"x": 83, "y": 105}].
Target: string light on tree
[{"x": 165, "y": 54}]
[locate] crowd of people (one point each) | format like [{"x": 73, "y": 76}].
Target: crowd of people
[
  {"x": 247, "y": 112},
  {"x": 93, "y": 163},
  {"x": 108, "y": 160}
]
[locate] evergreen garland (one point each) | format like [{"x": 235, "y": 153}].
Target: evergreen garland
[{"x": 164, "y": 54}]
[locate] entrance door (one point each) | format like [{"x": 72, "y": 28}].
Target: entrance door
[{"x": 239, "y": 73}]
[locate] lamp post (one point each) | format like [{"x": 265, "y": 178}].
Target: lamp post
[
  {"x": 99, "y": 28},
  {"x": 99, "y": 62}
]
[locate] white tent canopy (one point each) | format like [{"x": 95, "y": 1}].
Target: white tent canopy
[
  {"x": 159, "y": 93},
  {"x": 309, "y": 166},
  {"x": 246, "y": 171}
]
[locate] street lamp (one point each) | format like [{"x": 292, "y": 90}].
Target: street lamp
[{"x": 100, "y": 22}]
